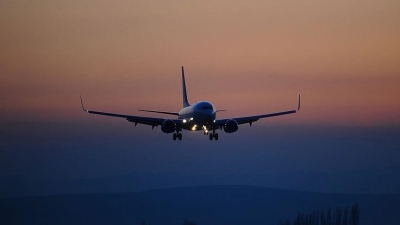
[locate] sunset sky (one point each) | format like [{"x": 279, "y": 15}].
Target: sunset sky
[{"x": 249, "y": 57}]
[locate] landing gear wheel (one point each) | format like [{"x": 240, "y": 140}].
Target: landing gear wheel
[
  {"x": 174, "y": 136},
  {"x": 179, "y": 136},
  {"x": 211, "y": 136},
  {"x": 216, "y": 136}
]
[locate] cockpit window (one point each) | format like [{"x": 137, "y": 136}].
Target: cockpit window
[{"x": 207, "y": 107}]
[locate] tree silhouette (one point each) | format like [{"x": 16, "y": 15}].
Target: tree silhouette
[
  {"x": 345, "y": 216},
  {"x": 322, "y": 217},
  {"x": 355, "y": 215},
  {"x": 338, "y": 217},
  {"x": 329, "y": 217}
]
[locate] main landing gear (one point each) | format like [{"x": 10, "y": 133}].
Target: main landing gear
[
  {"x": 213, "y": 135},
  {"x": 177, "y": 135}
]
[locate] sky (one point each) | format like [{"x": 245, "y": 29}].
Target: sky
[{"x": 249, "y": 57}]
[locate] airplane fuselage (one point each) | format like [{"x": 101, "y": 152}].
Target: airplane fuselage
[{"x": 198, "y": 115}]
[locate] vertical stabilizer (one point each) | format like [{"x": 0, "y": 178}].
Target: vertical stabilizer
[{"x": 185, "y": 99}]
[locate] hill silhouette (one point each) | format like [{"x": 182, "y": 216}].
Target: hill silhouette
[{"x": 203, "y": 204}]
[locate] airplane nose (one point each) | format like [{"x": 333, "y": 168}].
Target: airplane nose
[
  {"x": 211, "y": 117},
  {"x": 208, "y": 115}
]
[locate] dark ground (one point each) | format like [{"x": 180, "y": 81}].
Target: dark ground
[{"x": 204, "y": 205}]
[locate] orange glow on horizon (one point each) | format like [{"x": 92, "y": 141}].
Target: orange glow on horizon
[{"x": 249, "y": 58}]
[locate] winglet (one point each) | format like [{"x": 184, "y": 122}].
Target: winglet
[
  {"x": 298, "y": 107},
  {"x": 82, "y": 105}
]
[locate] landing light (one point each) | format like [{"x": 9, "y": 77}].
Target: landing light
[
  {"x": 184, "y": 121},
  {"x": 194, "y": 127},
  {"x": 191, "y": 118},
  {"x": 205, "y": 129},
  {"x": 214, "y": 121}
]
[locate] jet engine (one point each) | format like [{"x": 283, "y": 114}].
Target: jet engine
[
  {"x": 231, "y": 126},
  {"x": 168, "y": 126}
]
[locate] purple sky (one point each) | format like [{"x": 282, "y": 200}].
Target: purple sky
[{"x": 247, "y": 57}]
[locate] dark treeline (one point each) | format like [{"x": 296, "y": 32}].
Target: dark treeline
[
  {"x": 319, "y": 217},
  {"x": 186, "y": 222},
  {"x": 338, "y": 216}
]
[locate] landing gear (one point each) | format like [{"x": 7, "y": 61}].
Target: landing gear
[
  {"x": 205, "y": 131},
  {"x": 213, "y": 135},
  {"x": 177, "y": 135}
]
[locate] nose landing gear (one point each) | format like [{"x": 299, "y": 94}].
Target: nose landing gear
[{"x": 205, "y": 131}]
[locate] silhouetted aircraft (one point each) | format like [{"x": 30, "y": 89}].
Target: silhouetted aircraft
[{"x": 199, "y": 116}]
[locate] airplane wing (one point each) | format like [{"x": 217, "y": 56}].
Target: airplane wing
[
  {"x": 251, "y": 119},
  {"x": 135, "y": 119}
]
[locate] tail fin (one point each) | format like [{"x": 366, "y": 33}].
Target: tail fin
[{"x": 185, "y": 99}]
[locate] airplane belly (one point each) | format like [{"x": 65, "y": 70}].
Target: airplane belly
[
  {"x": 203, "y": 118},
  {"x": 199, "y": 119}
]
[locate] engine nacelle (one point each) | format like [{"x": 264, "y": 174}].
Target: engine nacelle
[
  {"x": 168, "y": 126},
  {"x": 231, "y": 126}
]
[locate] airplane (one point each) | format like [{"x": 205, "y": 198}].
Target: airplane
[{"x": 198, "y": 116}]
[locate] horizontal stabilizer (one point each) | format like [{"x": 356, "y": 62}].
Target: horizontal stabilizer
[{"x": 162, "y": 112}]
